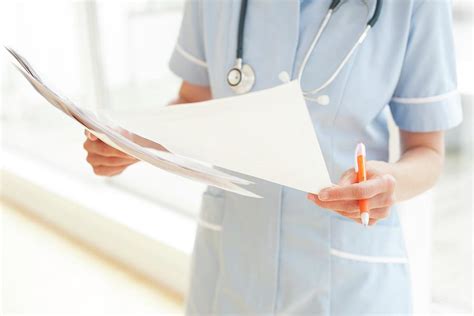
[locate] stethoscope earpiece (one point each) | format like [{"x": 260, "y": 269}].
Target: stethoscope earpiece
[
  {"x": 323, "y": 99},
  {"x": 284, "y": 77}
]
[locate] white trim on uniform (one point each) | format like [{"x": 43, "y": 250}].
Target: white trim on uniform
[
  {"x": 208, "y": 225},
  {"x": 436, "y": 98},
  {"x": 190, "y": 57},
  {"x": 371, "y": 259}
]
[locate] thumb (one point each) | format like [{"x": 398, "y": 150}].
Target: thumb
[{"x": 348, "y": 177}]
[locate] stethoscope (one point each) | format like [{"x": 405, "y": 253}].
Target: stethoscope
[{"x": 241, "y": 78}]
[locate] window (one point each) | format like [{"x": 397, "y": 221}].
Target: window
[{"x": 103, "y": 55}]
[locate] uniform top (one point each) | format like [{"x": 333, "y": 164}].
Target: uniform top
[{"x": 406, "y": 64}]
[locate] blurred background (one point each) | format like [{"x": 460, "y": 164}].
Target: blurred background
[{"x": 72, "y": 242}]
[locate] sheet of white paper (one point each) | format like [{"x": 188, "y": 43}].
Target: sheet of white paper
[
  {"x": 266, "y": 134},
  {"x": 100, "y": 128}
]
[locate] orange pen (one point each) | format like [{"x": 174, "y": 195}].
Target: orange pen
[{"x": 362, "y": 176}]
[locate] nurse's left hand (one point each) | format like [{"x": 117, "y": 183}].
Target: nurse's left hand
[{"x": 378, "y": 190}]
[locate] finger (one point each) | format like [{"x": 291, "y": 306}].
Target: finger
[
  {"x": 378, "y": 201},
  {"x": 89, "y": 135},
  {"x": 100, "y": 148},
  {"x": 346, "y": 205},
  {"x": 351, "y": 215},
  {"x": 98, "y": 160},
  {"x": 348, "y": 177},
  {"x": 345, "y": 179},
  {"x": 108, "y": 171},
  {"x": 359, "y": 191}
]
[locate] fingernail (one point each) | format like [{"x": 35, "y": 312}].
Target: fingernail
[
  {"x": 323, "y": 195},
  {"x": 310, "y": 197}
]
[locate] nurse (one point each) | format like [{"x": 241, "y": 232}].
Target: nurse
[{"x": 295, "y": 252}]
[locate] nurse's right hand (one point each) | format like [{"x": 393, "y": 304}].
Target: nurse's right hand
[{"x": 104, "y": 159}]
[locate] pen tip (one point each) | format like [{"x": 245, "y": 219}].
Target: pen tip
[{"x": 364, "y": 217}]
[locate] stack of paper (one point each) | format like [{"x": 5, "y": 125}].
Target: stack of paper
[
  {"x": 266, "y": 134},
  {"x": 122, "y": 139}
]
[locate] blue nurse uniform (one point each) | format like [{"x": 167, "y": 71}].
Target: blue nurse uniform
[{"x": 282, "y": 254}]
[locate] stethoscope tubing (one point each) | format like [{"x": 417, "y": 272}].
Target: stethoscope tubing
[
  {"x": 240, "y": 31},
  {"x": 308, "y": 94}
]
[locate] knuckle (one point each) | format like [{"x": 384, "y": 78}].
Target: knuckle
[
  {"x": 390, "y": 182},
  {"x": 351, "y": 206},
  {"x": 384, "y": 213},
  {"x": 98, "y": 171},
  {"x": 90, "y": 159}
]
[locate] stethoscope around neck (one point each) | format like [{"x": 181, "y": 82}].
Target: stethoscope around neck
[{"x": 241, "y": 77}]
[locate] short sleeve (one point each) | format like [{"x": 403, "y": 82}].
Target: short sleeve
[
  {"x": 188, "y": 59},
  {"x": 426, "y": 97}
]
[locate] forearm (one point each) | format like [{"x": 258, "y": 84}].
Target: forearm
[
  {"x": 416, "y": 171},
  {"x": 387, "y": 183}
]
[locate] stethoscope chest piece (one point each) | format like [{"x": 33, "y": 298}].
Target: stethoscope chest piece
[{"x": 241, "y": 78}]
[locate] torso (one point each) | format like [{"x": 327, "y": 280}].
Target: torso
[{"x": 276, "y": 254}]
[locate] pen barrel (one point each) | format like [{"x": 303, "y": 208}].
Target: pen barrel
[
  {"x": 362, "y": 176},
  {"x": 363, "y": 206}
]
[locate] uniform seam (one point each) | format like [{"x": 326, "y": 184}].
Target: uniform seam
[
  {"x": 278, "y": 251},
  {"x": 368, "y": 259},
  {"x": 414, "y": 10},
  {"x": 221, "y": 257},
  {"x": 330, "y": 265},
  {"x": 205, "y": 224},
  {"x": 336, "y": 115},
  {"x": 408, "y": 264},
  {"x": 201, "y": 29}
]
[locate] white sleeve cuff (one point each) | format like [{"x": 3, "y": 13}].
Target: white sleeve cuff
[
  {"x": 188, "y": 67},
  {"x": 427, "y": 114}
]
